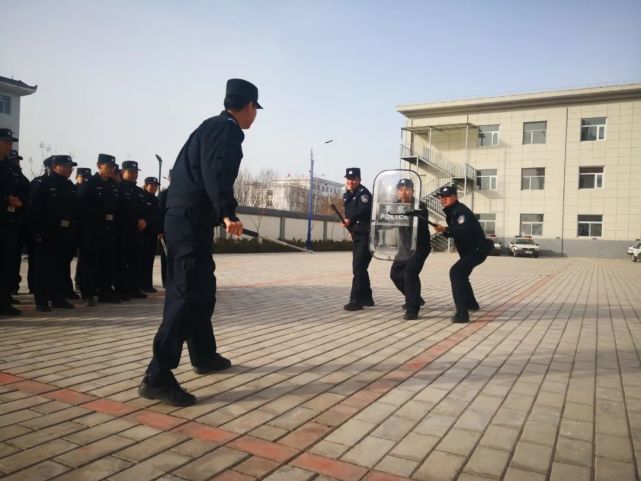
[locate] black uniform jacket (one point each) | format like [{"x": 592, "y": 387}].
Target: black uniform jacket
[
  {"x": 12, "y": 182},
  {"x": 131, "y": 205},
  {"x": 358, "y": 209},
  {"x": 53, "y": 206},
  {"x": 202, "y": 179},
  {"x": 151, "y": 213},
  {"x": 98, "y": 203},
  {"x": 465, "y": 229}
]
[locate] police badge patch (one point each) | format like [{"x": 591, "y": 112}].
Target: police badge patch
[
  {"x": 364, "y": 199},
  {"x": 460, "y": 219}
]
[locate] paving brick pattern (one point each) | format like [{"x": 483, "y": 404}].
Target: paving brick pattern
[{"x": 544, "y": 384}]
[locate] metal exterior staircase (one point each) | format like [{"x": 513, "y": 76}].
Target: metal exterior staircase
[{"x": 446, "y": 172}]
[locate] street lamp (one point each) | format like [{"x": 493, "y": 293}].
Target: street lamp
[
  {"x": 159, "y": 170},
  {"x": 310, "y": 210}
]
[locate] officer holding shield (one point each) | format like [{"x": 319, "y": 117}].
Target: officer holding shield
[
  {"x": 409, "y": 262},
  {"x": 358, "y": 211},
  {"x": 472, "y": 246}
]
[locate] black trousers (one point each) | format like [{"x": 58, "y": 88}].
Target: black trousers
[
  {"x": 8, "y": 240},
  {"x": 405, "y": 276},
  {"x": 52, "y": 257},
  {"x": 97, "y": 260},
  {"x": 190, "y": 296},
  {"x": 163, "y": 267},
  {"x": 150, "y": 244},
  {"x": 129, "y": 262},
  {"x": 460, "y": 279},
  {"x": 361, "y": 257}
]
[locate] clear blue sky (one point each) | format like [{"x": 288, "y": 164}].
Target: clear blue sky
[{"x": 135, "y": 78}]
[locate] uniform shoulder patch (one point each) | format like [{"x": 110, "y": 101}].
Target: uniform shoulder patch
[
  {"x": 365, "y": 198},
  {"x": 460, "y": 219}
]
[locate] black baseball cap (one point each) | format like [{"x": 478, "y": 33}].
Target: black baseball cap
[
  {"x": 151, "y": 180},
  {"x": 130, "y": 165},
  {"x": 83, "y": 171},
  {"x": 7, "y": 134},
  {"x": 106, "y": 159},
  {"x": 352, "y": 173},
  {"x": 446, "y": 191},
  {"x": 242, "y": 89},
  {"x": 14, "y": 155},
  {"x": 62, "y": 160}
]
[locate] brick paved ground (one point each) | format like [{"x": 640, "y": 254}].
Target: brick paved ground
[{"x": 544, "y": 383}]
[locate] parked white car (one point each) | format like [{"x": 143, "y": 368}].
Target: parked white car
[
  {"x": 635, "y": 251},
  {"x": 636, "y": 245},
  {"x": 523, "y": 246}
]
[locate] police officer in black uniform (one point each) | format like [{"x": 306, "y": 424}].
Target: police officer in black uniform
[
  {"x": 21, "y": 187},
  {"x": 150, "y": 234},
  {"x": 408, "y": 265},
  {"x": 200, "y": 198},
  {"x": 358, "y": 211},
  {"x": 53, "y": 215},
  {"x": 82, "y": 175},
  {"x": 98, "y": 199},
  {"x": 10, "y": 207},
  {"x": 472, "y": 246},
  {"x": 131, "y": 224}
]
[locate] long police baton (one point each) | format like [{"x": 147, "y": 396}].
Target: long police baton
[
  {"x": 255, "y": 235},
  {"x": 414, "y": 213},
  {"x": 340, "y": 216}
]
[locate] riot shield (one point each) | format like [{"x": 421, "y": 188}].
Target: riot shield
[{"x": 394, "y": 222}]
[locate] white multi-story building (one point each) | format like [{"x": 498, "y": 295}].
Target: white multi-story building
[
  {"x": 561, "y": 166},
  {"x": 292, "y": 193},
  {"x": 10, "y": 93}
]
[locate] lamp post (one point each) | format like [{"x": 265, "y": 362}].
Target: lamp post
[
  {"x": 310, "y": 210},
  {"x": 159, "y": 170}
]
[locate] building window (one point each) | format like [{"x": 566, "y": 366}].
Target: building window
[
  {"x": 590, "y": 177},
  {"x": 488, "y": 222},
  {"x": 486, "y": 179},
  {"x": 531, "y": 224},
  {"x": 488, "y": 135},
  {"x": 590, "y": 226},
  {"x": 533, "y": 179},
  {"x": 534, "y": 132},
  {"x": 5, "y": 104},
  {"x": 593, "y": 129}
]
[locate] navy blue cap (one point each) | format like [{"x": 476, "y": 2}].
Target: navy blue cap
[
  {"x": 47, "y": 161},
  {"x": 14, "y": 155},
  {"x": 83, "y": 171},
  {"x": 405, "y": 183},
  {"x": 352, "y": 173},
  {"x": 242, "y": 89},
  {"x": 62, "y": 160},
  {"x": 446, "y": 191},
  {"x": 130, "y": 165},
  {"x": 106, "y": 159},
  {"x": 7, "y": 134},
  {"x": 151, "y": 180}
]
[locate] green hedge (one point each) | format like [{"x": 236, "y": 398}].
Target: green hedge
[{"x": 244, "y": 246}]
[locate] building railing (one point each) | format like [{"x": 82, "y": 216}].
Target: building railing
[{"x": 437, "y": 160}]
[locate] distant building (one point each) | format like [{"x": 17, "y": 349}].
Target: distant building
[
  {"x": 10, "y": 93},
  {"x": 562, "y": 166},
  {"x": 292, "y": 193}
]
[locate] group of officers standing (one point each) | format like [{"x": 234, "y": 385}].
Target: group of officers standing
[
  {"x": 110, "y": 223},
  {"x": 116, "y": 224}
]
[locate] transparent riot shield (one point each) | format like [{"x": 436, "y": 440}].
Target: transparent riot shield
[{"x": 394, "y": 221}]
